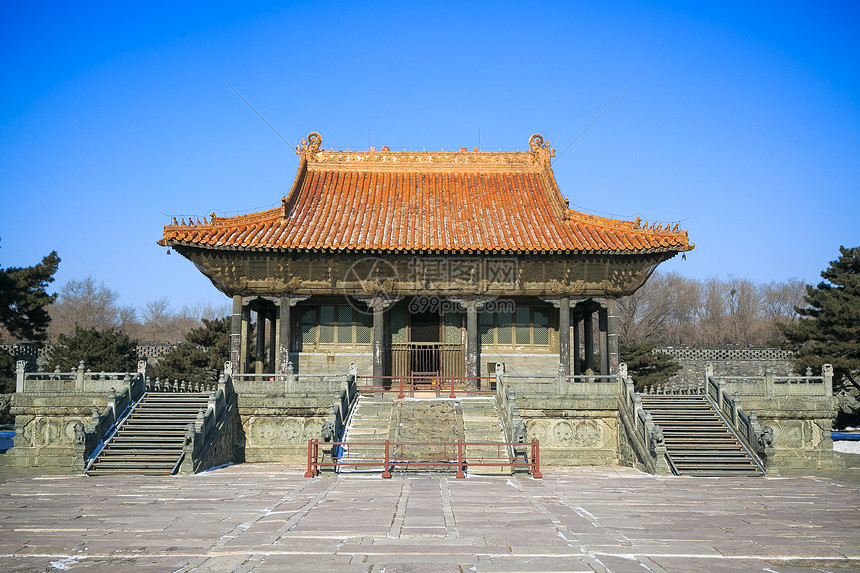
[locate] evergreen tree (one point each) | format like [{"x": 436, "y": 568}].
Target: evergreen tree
[
  {"x": 647, "y": 367},
  {"x": 200, "y": 357},
  {"x": 23, "y": 298},
  {"x": 22, "y": 308},
  {"x": 7, "y": 373},
  {"x": 101, "y": 350},
  {"x": 829, "y": 330}
]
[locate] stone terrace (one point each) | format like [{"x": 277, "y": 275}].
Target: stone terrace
[{"x": 267, "y": 517}]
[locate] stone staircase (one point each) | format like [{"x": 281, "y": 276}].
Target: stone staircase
[
  {"x": 150, "y": 440},
  {"x": 408, "y": 421},
  {"x": 697, "y": 440},
  {"x": 369, "y": 423},
  {"x": 481, "y": 423}
]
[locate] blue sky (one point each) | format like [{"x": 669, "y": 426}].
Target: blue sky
[{"x": 742, "y": 121}]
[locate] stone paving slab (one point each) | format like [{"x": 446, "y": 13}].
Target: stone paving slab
[{"x": 268, "y": 517}]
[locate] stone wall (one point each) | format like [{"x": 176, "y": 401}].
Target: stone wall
[
  {"x": 34, "y": 354},
  {"x": 44, "y": 425},
  {"x": 573, "y": 430},
  {"x": 332, "y": 362},
  {"x": 519, "y": 364},
  {"x": 276, "y": 428},
  {"x": 801, "y": 430},
  {"x": 728, "y": 360}
]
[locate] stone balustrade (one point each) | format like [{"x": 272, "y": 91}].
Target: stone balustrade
[
  {"x": 772, "y": 384},
  {"x": 289, "y": 382},
  {"x": 644, "y": 437},
  {"x": 79, "y": 379},
  {"x": 210, "y": 440},
  {"x": 512, "y": 422}
]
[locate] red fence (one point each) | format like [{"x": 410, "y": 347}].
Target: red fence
[
  {"x": 451, "y": 385},
  {"x": 394, "y": 455}
]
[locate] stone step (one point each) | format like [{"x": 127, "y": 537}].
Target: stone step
[
  {"x": 150, "y": 440},
  {"x": 697, "y": 440}
]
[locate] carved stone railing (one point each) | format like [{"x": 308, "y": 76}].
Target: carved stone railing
[
  {"x": 757, "y": 441},
  {"x": 79, "y": 380},
  {"x": 527, "y": 385},
  {"x": 210, "y": 441},
  {"x": 679, "y": 387},
  {"x": 563, "y": 384},
  {"x": 772, "y": 385},
  {"x": 288, "y": 382},
  {"x": 102, "y": 426},
  {"x": 338, "y": 411},
  {"x": 643, "y": 435},
  {"x": 167, "y": 385},
  {"x": 512, "y": 422}
]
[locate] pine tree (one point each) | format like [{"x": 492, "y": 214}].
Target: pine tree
[
  {"x": 201, "y": 357},
  {"x": 647, "y": 367},
  {"x": 829, "y": 329},
  {"x": 101, "y": 350},
  {"x": 22, "y": 308},
  {"x": 23, "y": 298}
]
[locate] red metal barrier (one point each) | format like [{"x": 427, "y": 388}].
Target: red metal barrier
[
  {"x": 394, "y": 455},
  {"x": 403, "y": 385}
]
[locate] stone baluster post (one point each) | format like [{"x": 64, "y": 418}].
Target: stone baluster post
[
  {"x": 709, "y": 372},
  {"x": 720, "y": 385},
  {"x": 629, "y": 391},
  {"x": 736, "y": 400},
  {"x": 20, "y": 369},
  {"x": 200, "y": 424},
  {"x": 79, "y": 378},
  {"x": 561, "y": 379},
  {"x": 827, "y": 375},
  {"x": 291, "y": 378},
  {"x": 111, "y": 402},
  {"x": 768, "y": 381},
  {"x": 637, "y": 406}
]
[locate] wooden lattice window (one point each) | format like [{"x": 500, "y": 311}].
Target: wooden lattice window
[
  {"x": 335, "y": 324},
  {"x": 526, "y": 326}
]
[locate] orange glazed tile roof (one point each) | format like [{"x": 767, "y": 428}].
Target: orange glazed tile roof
[{"x": 426, "y": 202}]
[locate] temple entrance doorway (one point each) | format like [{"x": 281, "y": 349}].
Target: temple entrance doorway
[{"x": 425, "y": 356}]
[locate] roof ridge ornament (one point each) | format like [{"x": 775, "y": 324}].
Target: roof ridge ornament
[
  {"x": 540, "y": 147},
  {"x": 311, "y": 144}
]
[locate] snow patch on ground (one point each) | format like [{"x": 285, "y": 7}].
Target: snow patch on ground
[{"x": 847, "y": 446}]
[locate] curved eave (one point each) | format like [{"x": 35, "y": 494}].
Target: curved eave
[{"x": 674, "y": 249}]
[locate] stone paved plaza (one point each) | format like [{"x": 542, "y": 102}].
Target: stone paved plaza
[{"x": 257, "y": 517}]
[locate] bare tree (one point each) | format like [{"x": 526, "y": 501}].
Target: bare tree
[
  {"x": 779, "y": 303},
  {"x": 85, "y": 303},
  {"x": 744, "y": 306},
  {"x": 671, "y": 309}
]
